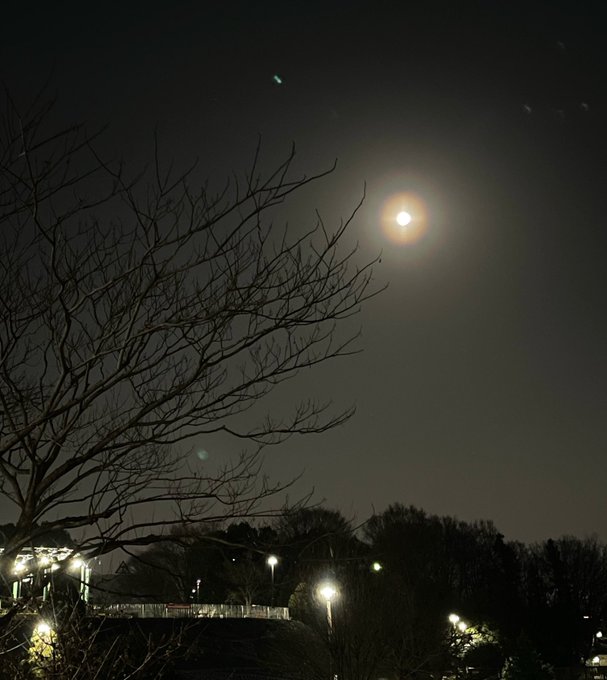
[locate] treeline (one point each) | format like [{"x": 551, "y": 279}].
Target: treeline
[{"x": 399, "y": 576}]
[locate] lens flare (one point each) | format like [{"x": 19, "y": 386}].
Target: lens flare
[{"x": 404, "y": 218}]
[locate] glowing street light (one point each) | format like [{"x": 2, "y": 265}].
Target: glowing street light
[
  {"x": 377, "y": 566},
  {"x": 42, "y": 629},
  {"x": 43, "y": 639},
  {"x": 20, "y": 569},
  {"x": 457, "y": 622},
  {"x": 78, "y": 564},
  {"x": 272, "y": 561},
  {"x": 328, "y": 592}
]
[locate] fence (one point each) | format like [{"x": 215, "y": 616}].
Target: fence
[{"x": 193, "y": 611}]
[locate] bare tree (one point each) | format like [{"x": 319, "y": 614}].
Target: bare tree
[
  {"x": 247, "y": 580},
  {"x": 137, "y": 314}
]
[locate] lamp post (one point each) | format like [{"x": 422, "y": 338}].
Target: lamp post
[
  {"x": 457, "y": 622},
  {"x": 272, "y": 562},
  {"x": 85, "y": 577},
  {"x": 19, "y": 569},
  {"x": 328, "y": 592}
]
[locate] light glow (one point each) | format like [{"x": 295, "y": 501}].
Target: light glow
[
  {"x": 328, "y": 592},
  {"x": 453, "y": 618},
  {"x": 272, "y": 560},
  {"x": 404, "y": 218},
  {"x": 42, "y": 629},
  {"x": 43, "y": 642}
]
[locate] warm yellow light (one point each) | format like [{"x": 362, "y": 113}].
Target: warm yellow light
[
  {"x": 328, "y": 592},
  {"x": 596, "y": 660},
  {"x": 76, "y": 563},
  {"x": 376, "y": 566},
  {"x": 44, "y": 560},
  {"x": 272, "y": 560},
  {"x": 43, "y": 642},
  {"x": 404, "y": 218},
  {"x": 42, "y": 629},
  {"x": 453, "y": 618},
  {"x": 19, "y": 567},
  {"x": 462, "y": 626}
]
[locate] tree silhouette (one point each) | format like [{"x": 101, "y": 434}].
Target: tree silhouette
[{"x": 136, "y": 314}]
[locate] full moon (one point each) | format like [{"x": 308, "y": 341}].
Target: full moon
[{"x": 403, "y": 218}]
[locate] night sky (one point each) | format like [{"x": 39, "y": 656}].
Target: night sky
[{"x": 481, "y": 390}]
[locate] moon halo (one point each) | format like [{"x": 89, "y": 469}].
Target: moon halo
[{"x": 404, "y": 218}]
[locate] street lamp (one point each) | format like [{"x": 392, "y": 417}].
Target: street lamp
[
  {"x": 328, "y": 592},
  {"x": 42, "y": 629},
  {"x": 272, "y": 561},
  {"x": 19, "y": 570},
  {"x": 78, "y": 564},
  {"x": 44, "y": 640},
  {"x": 457, "y": 622},
  {"x": 377, "y": 566}
]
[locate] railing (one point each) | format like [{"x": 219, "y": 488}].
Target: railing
[{"x": 192, "y": 611}]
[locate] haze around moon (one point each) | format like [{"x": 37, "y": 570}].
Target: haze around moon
[{"x": 403, "y": 218}]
